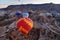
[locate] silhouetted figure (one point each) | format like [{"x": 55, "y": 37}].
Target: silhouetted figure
[{"x": 6, "y": 16}]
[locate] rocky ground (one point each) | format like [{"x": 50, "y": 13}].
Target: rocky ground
[{"x": 44, "y": 28}]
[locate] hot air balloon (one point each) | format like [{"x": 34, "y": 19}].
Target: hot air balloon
[
  {"x": 25, "y": 14},
  {"x": 25, "y": 25}
]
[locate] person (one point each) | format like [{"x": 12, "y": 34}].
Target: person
[
  {"x": 6, "y": 16},
  {"x": 30, "y": 14}
]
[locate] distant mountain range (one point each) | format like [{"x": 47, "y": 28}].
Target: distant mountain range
[{"x": 47, "y": 6}]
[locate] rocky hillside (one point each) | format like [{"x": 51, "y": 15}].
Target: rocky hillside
[
  {"x": 48, "y": 6},
  {"x": 46, "y": 19}
]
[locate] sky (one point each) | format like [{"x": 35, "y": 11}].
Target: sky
[{"x": 5, "y": 3}]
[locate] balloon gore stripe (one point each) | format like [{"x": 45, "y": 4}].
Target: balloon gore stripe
[{"x": 24, "y": 25}]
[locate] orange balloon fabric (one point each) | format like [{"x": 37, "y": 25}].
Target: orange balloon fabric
[{"x": 25, "y": 25}]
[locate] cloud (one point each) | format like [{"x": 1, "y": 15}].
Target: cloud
[
  {"x": 35, "y": 1},
  {"x": 56, "y": 1},
  {"x": 39, "y": 1},
  {"x": 3, "y": 5}
]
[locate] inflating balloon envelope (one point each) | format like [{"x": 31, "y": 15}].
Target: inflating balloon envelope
[{"x": 25, "y": 25}]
